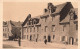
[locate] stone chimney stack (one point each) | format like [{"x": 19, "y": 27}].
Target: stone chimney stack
[{"x": 51, "y": 8}]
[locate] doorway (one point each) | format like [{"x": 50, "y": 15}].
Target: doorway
[
  {"x": 30, "y": 37},
  {"x": 71, "y": 40},
  {"x": 49, "y": 38}
]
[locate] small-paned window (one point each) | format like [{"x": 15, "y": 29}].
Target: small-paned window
[
  {"x": 53, "y": 28},
  {"x": 45, "y": 19},
  {"x": 44, "y": 37},
  {"x": 63, "y": 38},
  {"x": 64, "y": 27},
  {"x": 76, "y": 26},
  {"x": 45, "y": 28},
  {"x": 53, "y": 36}
]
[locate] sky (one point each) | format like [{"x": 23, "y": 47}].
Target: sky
[{"x": 18, "y": 11}]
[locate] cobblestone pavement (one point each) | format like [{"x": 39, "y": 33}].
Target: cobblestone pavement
[{"x": 31, "y": 44}]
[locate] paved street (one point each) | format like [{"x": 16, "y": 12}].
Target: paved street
[{"x": 31, "y": 44}]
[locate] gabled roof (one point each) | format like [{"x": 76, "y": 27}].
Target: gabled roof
[
  {"x": 16, "y": 24},
  {"x": 59, "y": 7},
  {"x": 57, "y": 10},
  {"x": 29, "y": 16},
  {"x": 67, "y": 18}
]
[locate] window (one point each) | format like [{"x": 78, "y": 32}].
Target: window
[
  {"x": 76, "y": 40},
  {"x": 37, "y": 36},
  {"x": 63, "y": 38},
  {"x": 52, "y": 18},
  {"x": 31, "y": 22},
  {"x": 30, "y": 29},
  {"x": 64, "y": 27},
  {"x": 3, "y": 29},
  {"x": 45, "y": 19},
  {"x": 44, "y": 37},
  {"x": 27, "y": 36},
  {"x": 71, "y": 17},
  {"x": 45, "y": 10},
  {"x": 53, "y": 28},
  {"x": 45, "y": 28},
  {"x": 34, "y": 29},
  {"x": 35, "y": 22},
  {"x": 37, "y": 29},
  {"x": 8, "y": 29},
  {"x": 76, "y": 26},
  {"x": 71, "y": 13},
  {"x": 27, "y": 29},
  {"x": 53, "y": 36},
  {"x": 34, "y": 36}
]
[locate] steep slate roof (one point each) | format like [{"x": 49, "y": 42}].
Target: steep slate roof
[
  {"x": 76, "y": 11},
  {"x": 67, "y": 18},
  {"x": 29, "y": 16},
  {"x": 16, "y": 24},
  {"x": 59, "y": 9}
]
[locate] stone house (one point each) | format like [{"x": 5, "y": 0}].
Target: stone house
[
  {"x": 5, "y": 30},
  {"x": 8, "y": 26},
  {"x": 58, "y": 24}
]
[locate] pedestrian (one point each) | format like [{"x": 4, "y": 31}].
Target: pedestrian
[
  {"x": 45, "y": 41},
  {"x": 36, "y": 39},
  {"x": 19, "y": 41}
]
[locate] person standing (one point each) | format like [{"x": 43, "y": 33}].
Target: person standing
[
  {"x": 19, "y": 41},
  {"x": 45, "y": 41},
  {"x": 36, "y": 39}
]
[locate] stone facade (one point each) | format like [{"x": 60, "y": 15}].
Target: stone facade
[{"x": 58, "y": 24}]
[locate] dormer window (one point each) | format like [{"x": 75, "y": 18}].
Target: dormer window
[
  {"x": 51, "y": 7},
  {"x": 34, "y": 21},
  {"x": 71, "y": 13}
]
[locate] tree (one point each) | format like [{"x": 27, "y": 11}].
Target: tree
[{"x": 16, "y": 32}]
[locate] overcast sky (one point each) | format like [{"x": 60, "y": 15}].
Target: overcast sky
[{"x": 18, "y": 11}]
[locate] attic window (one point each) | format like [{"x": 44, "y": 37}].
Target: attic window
[
  {"x": 71, "y": 13},
  {"x": 52, "y": 18},
  {"x": 53, "y": 36}
]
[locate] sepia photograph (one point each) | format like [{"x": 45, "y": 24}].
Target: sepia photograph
[{"x": 40, "y": 25}]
